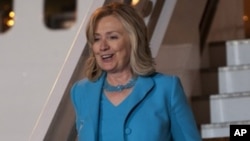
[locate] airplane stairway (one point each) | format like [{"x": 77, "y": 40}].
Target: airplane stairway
[{"x": 232, "y": 102}]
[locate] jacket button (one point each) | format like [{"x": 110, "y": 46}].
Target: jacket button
[{"x": 128, "y": 131}]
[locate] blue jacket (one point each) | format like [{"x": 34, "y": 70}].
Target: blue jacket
[{"x": 160, "y": 112}]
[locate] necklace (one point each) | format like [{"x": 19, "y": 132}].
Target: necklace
[{"x": 110, "y": 88}]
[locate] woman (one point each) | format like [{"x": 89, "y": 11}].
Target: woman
[{"x": 123, "y": 98}]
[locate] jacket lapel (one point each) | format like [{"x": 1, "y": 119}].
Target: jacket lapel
[
  {"x": 95, "y": 91},
  {"x": 141, "y": 89}
]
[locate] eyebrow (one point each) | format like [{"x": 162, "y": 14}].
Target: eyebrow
[{"x": 110, "y": 32}]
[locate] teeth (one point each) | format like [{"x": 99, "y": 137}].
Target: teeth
[{"x": 106, "y": 56}]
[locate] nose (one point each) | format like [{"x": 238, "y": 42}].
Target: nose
[{"x": 104, "y": 45}]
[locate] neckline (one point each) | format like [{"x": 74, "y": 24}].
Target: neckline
[
  {"x": 117, "y": 99},
  {"x": 118, "y": 88}
]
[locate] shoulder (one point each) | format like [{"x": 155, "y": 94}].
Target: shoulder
[
  {"x": 167, "y": 84},
  {"x": 171, "y": 87},
  {"x": 78, "y": 89},
  {"x": 165, "y": 79},
  {"x": 79, "y": 85}
]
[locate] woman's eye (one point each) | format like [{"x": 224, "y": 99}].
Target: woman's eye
[
  {"x": 113, "y": 37},
  {"x": 96, "y": 39}
]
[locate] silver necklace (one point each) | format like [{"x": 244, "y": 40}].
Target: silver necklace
[{"x": 110, "y": 88}]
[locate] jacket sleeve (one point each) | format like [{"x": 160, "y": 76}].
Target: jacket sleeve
[
  {"x": 75, "y": 103},
  {"x": 183, "y": 125}
]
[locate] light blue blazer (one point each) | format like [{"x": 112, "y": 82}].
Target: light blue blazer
[{"x": 159, "y": 111}]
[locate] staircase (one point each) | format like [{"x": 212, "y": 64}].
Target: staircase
[{"x": 231, "y": 104}]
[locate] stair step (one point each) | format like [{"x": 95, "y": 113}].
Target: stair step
[
  {"x": 234, "y": 79},
  {"x": 229, "y": 107},
  {"x": 219, "y": 130},
  {"x": 238, "y": 52}
]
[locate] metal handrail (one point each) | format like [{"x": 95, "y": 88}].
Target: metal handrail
[{"x": 206, "y": 21}]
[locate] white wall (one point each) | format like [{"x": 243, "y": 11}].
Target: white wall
[{"x": 31, "y": 57}]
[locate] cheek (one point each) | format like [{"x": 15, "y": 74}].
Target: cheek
[
  {"x": 125, "y": 56},
  {"x": 94, "y": 49},
  {"x": 95, "y": 53},
  {"x": 128, "y": 51}
]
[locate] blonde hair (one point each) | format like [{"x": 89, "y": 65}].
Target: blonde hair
[{"x": 141, "y": 60}]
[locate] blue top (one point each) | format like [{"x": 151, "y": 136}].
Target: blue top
[
  {"x": 158, "y": 111},
  {"x": 109, "y": 117}
]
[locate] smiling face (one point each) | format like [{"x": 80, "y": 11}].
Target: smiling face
[{"x": 111, "y": 45}]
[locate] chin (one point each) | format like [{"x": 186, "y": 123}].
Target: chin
[{"x": 107, "y": 69}]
